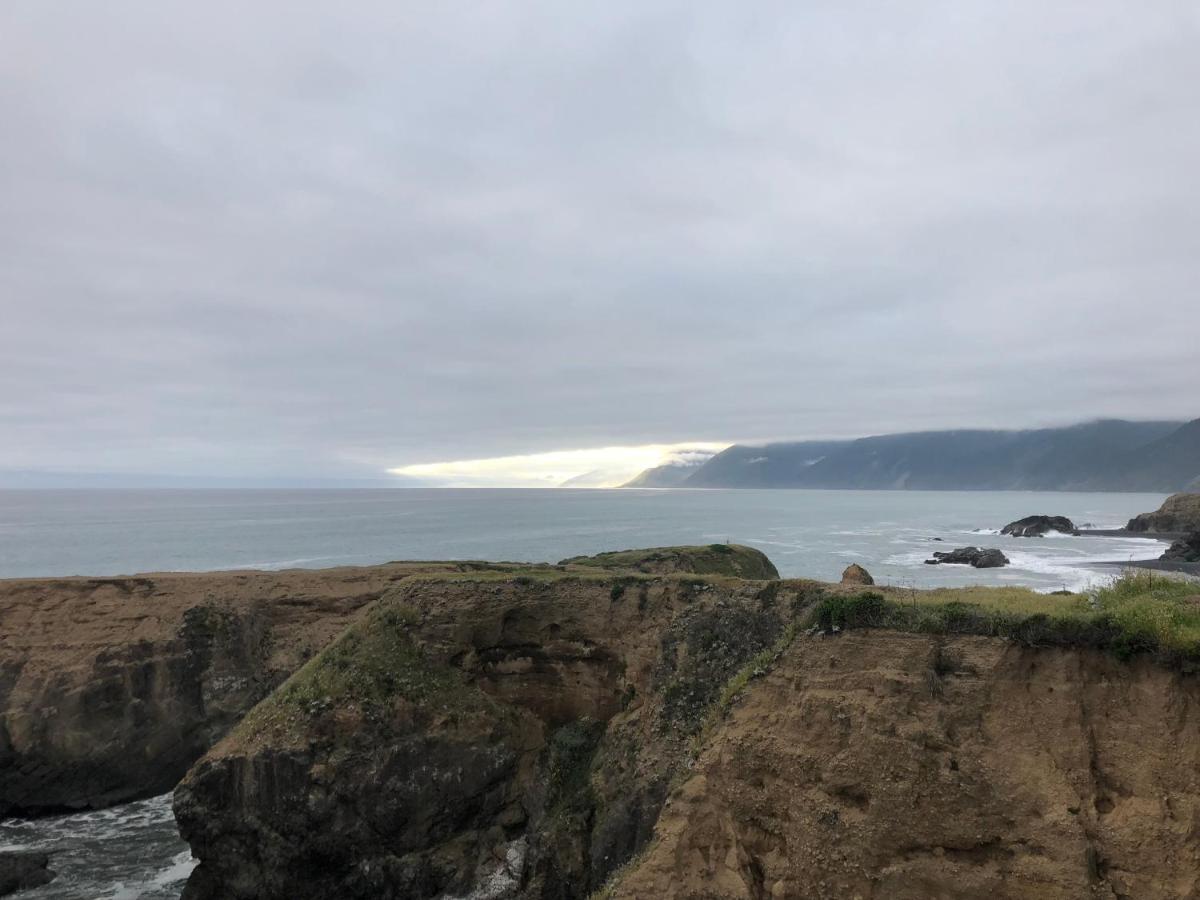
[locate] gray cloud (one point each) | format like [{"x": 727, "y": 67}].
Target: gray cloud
[{"x": 275, "y": 239}]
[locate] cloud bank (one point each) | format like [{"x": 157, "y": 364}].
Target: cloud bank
[{"x": 305, "y": 240}]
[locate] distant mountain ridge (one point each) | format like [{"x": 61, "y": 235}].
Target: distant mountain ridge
[{"x": 1106, "y": 455}]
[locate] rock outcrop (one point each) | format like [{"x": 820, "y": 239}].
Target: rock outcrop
[
  {"x": 733, "y": 560},
  {"x": 1186, "y": 549},
  {"x": 110, "y": 688},
  {"x": 855, "y": 574},
  {"x": 1179, "y": 513},
  {"x": 1039, "y": 526},
  {"x": 505, "y": 732},
  {"x": 980, "y": 558},
  {"x": 900, "y": 766},
  {"x": 481, "y": 737},
  {"x": 559, "y": 734},
  {"x": 21, "y": 870}
]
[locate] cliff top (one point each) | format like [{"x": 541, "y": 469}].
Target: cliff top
[
  {"x": 733, "y": 560},
  {"x": 588, "y": 724}
]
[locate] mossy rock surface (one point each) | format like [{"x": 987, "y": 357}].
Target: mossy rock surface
[{"x": 732, "y": 560}]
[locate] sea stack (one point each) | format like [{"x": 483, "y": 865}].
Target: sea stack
[
  {"x": 980, "y": 558},
  {"x": 1038, "y": 526},
  {"x": 857, "y": 575}
]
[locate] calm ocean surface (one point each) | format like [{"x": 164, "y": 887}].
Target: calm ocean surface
[
  {"x": 133, "y": 851},
  {"x": 809, "y": 533}
]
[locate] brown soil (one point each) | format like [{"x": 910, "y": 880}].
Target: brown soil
[{"x": 885, "y": 765}]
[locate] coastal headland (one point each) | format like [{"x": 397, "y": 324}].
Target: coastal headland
[{"x": 674, "y": 722}]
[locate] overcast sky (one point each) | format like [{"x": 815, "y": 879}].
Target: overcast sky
[{"x": 267, "y": 238}]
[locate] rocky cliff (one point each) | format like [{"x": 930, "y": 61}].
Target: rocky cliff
[
  {"x": 111, "y": 687},
  {"x": 619, "y": 726},
  {"x": 578, "y": 731},
  {"x": 1179, "y": 513},
  {"x": 476, "y": 736},
  {"x": 886, "y": 765}
]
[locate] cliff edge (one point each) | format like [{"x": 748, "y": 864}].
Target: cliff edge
[
  {"x": 110, "y": 688},
  {"x": 582, "y": 731}
]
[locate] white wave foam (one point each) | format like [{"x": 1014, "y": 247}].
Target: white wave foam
[{"x": 276, "y": 564}]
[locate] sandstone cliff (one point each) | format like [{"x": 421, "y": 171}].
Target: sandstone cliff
[
  {"x": 571, "y": 732},
  {"x": 111, "y": 687},
  {"x": 619, "y": 726},
  {"x": 475, "y": 736},
  {"x": 885, "y": 765}
]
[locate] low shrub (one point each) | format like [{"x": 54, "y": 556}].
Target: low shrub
[{"x": 1137, "y": 613}]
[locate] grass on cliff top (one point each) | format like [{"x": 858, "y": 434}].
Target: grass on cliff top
[
  {"x": 366, "y": 672},
  {"x": 732, "y": 560},
  {"x": 1137, "y": 612}
]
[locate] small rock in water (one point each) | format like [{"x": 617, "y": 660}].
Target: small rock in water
[
  {"x": 970, "y": 556},
  {"x": 856, "y": 574},
  {"x": 23, "y": 869}
]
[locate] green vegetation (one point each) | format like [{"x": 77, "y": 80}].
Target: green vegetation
[
  {"x": 570, "y": 752},
  {"x": 702, "y": 650},
  {"x": 1138, "y": 612},
  {"x": 1160, "y": 613},
  {"x": 731, "y": 560},
  {"x": 758, "y": 666},
  {"x": 364, "y": 673}
]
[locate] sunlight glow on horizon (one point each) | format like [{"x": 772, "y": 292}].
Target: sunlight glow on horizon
[{"x": 594, "y": 467}]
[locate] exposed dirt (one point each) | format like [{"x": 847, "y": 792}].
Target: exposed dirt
[{"x": 886, "y": 765}]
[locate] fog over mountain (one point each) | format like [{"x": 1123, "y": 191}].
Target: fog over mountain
[{"x": 1096, "y": 456}]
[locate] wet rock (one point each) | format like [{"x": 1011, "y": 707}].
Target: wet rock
[
  {"x": 1184, "y": 550},
  {"x": 21, "y": 870},
  {"x": 856, "y": 574},
  {"x": 1037, "y": 526},
  {"x": 980, "y": 558}
]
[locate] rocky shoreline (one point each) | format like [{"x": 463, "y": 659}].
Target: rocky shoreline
[
  {"x": 1155, "y": 565},
  {"x": 1176, "y": 523}
]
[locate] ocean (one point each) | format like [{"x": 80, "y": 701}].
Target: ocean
[{"x": 133, "y": 851}]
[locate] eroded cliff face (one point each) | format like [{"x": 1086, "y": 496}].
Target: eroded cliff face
[
  {"x": 885, "y": 765},
  {"x": 111, "y": 687},
  {"x": 475, "y": 738},
  {"x": 660, "y": 736}
]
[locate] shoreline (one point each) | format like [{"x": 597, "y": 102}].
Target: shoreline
[
  {"x": 1191, "y": 569},
  {"x": 1164, "y": 536}
]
